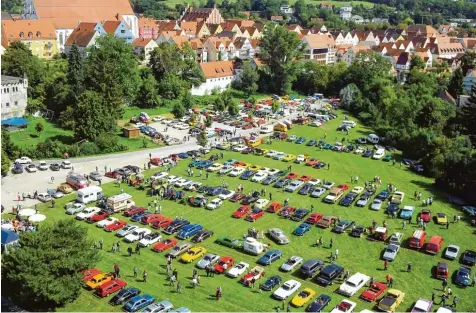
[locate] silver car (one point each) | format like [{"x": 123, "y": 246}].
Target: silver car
[
  {"x": 391, "y": 252},
  {"x": 452, "y": 252},
  {"x": 95, "y": 176},
  {"x": 126, "y": 230},
  {"x": 73, "y": 208},
  {"x": 293, "y": 186},
  {"x": 278, "y": 236},
  {"x": 376, "y": 205},
  {"x": 163, "y": 306},
  {"x": 318, "y": 192},
  {"x": 396, "y": 239},
  {"x": 179, "y": 249},
  {"x": 208, "y": 259}
]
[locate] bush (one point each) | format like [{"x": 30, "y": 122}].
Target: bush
[{"x": 89, "y": 148}]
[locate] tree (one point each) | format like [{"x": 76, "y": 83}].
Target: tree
[
  {"x": 171, "y": 86},
  {"x": 165, "y": 59},
  {"x": 312, "y": 77},
  {"x": 275, "y": 106},
  {"x": 417, "y": 62},
  {"x": 5, "y": 163},
  {"x": 92, "y": 116},
  {"x": 178, "y": 110},
  {"x": 351, "y": 98},
  {"x": 233, "y": 109},
  {"x": 75, "y": 74},
  {"x": 366, "y": 67},
  {"x": 247, "y": 79},
  {"x": 468, "y": 116},
  {"x": 202, "y": 138},
  {"x": 147, "y": 96},
  {"x": 280, "y": 49},
  {"x": 190, "y": 70},
  {"x": 39, "y": 128},
  {"x": 208, "y": 121},
  {"x": 218, "y": 104},
  {"x": 455, "y": 86},
  {"x": 468, "y": 61},
  {"x": 60, "y": 253},
  {"x": 188, "y": 101}
]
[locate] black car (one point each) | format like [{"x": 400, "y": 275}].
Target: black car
[
  {"x": 276, "y": 134},
  {"x": 319, "y": 304},
  {"x": 349, "y": 148},
  {"x": 300, "y": 214},
  {"x": 281, "y": 183},
  {"x": 392, "y": 208},
  {"x": 327, "y": 275},
  {"x": 249, "y": 200},
  {"x": 306, "y": 189},
  {"x": 55, "y": 167},
  {"x": 18, "y": 169},
  {"x": 383, "y": 195},
  {"x": 320, "y": 165},
  {"x": 320, "y": 144},
  {"x": 310, "y": 267},
  {"x": 348, "y": 199},
  {"x": 270, "y": 180},
  {"x": 271, "y": 282},
  {"x": 202, "y": 235},
  {"x": 368, "y": 153},
  {"x": 214, "y": 191},
  {"x": 203, "y": 189},
  {"x": 462, "y": 277},
  {"x": 247, "y": 174},
  {"x": 468, "y": 257},
  {"x": 133, "y": 168},
  {"x": 282, "y": 173},
  {"x": 175, "y": 226},
  {"x": 124, "y": 295},
  {"x": 358, "y": 231}
]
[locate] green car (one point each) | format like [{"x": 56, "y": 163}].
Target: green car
[
  {"x": 230, "y": 242},
  {"x": 388, "y": 158}
]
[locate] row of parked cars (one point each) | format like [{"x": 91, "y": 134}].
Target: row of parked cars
[{"x": 26, "y": 164}]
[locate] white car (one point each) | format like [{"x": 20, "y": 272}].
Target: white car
[
  {"x": 359, "y": 150},
  {"x": 208, "y": 259},
  {"x": 270, "y": 171},
  {"x": 172, "y": 179},
  {"x": 226, "y": 169},
  {"x": 157, "y": 118},
  {"x": 239, "y": 148},
  {"x": 314, "y": 181},
  {"x": 183, "y": 182},
  {"x": 376, "y": 205},
  {"x": 87, "y": 213},
  {"x": 271, "y": 153},
  {"x": 238, "y": 269},
  {"x": 139, "y": 124},
  {"x": 193, "y": 186},
  {"x": 227, "y": 194},
  {"x": 107, "y": 221},
  {"x": 44, "y": 197},
  {"x": 380, "y": 153},
  {"x": 259, "y": 176},
  {"x": 452, "y": 252},
  {"x": 214, "y": 204},
  {"x": 278, "y": 236},
  {"x": 159, "y": 175},
  {"x": 291, "y": 263},
  {"x": 150, "y": 239},
  {"x": 287, "y": 289},
  {"x": 215, "y": 167},
  {"x": 345, "y": 306},
  {"x": 300, "y": 158},
  {"x": 42, "y": 166},
  {"x": 318, "y": 192},
  {"x": 422, "y": 305},
  {"x": 182, "y": 126},
  {"x": 237, "y": 171},
  {"x": 353, "y": 284},
  {"x": 315, "y": 124},
  {"x": 279, "y": 155},
  {"x": 30, "y": 168},
  {"x": 66, "y": 164},
  {"x": 23, "y": 160},
  {"x": 136, "y": 234},
  {"x": 126, "y": 230},
  {"x": 328, "y": 184},
  {"x": 261, "y": 203}
]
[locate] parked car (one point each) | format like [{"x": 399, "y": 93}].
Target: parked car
[
  {"x": 238, "y": 269},
  {"x": 271, "y": 282},
  {"x": 391, "y": 252},
  {"x": 124, "y": 295},
  {"x": 328, "y": 274},
  {"x": 270, "y": 257},
  {"x": 462, "y": 277},
  {"x": 319, "y": 304},
  {"x": 138, "y": 302},
  {"x": 452, "y": 252},
  {"x": 208, "y": 260},
  {"x": 468, "y": 257},
  {"x": 373, "y": 292},
  {"x": 291, "y": 263},
  {"x": 353, "y": 284},
  {"x": 287, "y": 289}
]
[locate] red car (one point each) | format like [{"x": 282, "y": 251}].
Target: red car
[
  {"x": 274, "y": 207},
  {"x": 247, "y": 151},
  {"x": 314, "y": 218},
  {"x": 425, "y": 215},
  {"x": 239, "y": 163},
  {"x": 312, "y": 162},
  {"x": 242, "y": 211},
  {"x": 237, "y": 197},
  {"x": 114, "y": 175},
  {"x": 162, "y": 223},
  {"x": 110, "y": 287},
  {"x": 247, "y": 126},
  {"x": 157, "y": 161},
  {"x": 344, "y": 187},
  {"x": 164, "y": 244},
  {"x": 373, "y": 292},
  {"x": 98, "y": 217},
  {"x": 292, "y": 176},
  {"x": 283, "y": 136},
  {"x": 133, "y": 210},
  {"x": 223, "y": 264},
  {"x": 442, "y": 270},
  {"x": 287, "y": 211},
  {"x": 115, "y": 226},
  {"x": 151, "y": 219},
  {"x": 305, "y": 178},
  {"x": 90, "y": 273},
  {"x": 256, "y": 214}
]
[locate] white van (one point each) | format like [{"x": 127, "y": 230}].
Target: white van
[
  {"x": 253, "y": 246},
  {"x": 373, "y": 138},
  {"x": 349, "y": 123},
  {"x": 89, "y": 194},
  {"x": 266, "y": 129},
  {"x": 321, "y": 117},
  {"x": 380, "y": 153},
  {"x": 120, "y": 202}
]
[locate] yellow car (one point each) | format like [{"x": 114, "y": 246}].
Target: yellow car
[
  {"x": 215, "y": 167},
  {"x": 391, "y": 301},
  {"x": 441, "y": 218},
  {"x": 193, "y": 254},
  {"x": 358, "y": 190},
  {"x": 255, "y": 167},
  {"x": 303, "y": 297},
  {"x": 289, "y": 158},
  {"x": 262, "y": 152},
  {"x": 65, "y": 188},
  {"x": 98, "y": 280}
]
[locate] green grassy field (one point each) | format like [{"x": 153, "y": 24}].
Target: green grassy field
[
  {"x": 29, "y": 136},
  {"x": 356, "y": 255}
]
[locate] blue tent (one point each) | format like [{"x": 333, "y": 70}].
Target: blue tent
[
  {"x": 16, "y": 122},
  {"x": 9, "y": 237}
]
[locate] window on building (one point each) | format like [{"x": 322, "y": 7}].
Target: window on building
[
  {"x": 30, "y": 35},
  {"x": 22, "y": 35},
  {"x": 7, "y": 104},
  {"x": 38, "y": 34},
  {"x": 123, "y": 31},
  {"x": 16, "y": 103}
]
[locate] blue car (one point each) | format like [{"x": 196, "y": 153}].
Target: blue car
[
  {"x": 138, "y": 302},
  {"x": 183, "y": 155},
  {"x": 204, "y": 164},
  {"x": 462, "y": 277},
  {"x": 138, "y": 217},
  {"x": 311, "y": 143},
  {"x": 320, "y": 165},
  {"x": 270, "y": 283},
  {"x": 328, "y": 146},
  {"x": 189, "y": 231},
  {"x": 247, "y": 174},
  {"x": 300, "y": 140},
  {"x": 229, "y": 162},
  {"x": 319, "y": 304},
  {"x": 302, "y": 229},
  {"x": 143, "y": 129},
  {"x": 407, "y": 212},
  {"x": 270, "y": 256},
  {"x": 214, "y": 191},
  {"x": 194, "y": 163},
  {"x": 383, "y": 195}
]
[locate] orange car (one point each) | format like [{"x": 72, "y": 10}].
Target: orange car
[
  {"x": 312, "y": 162},
  {"x": 305, "y": 178}
]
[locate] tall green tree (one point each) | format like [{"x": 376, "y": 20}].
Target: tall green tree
[
  {"x": 178, "y": 110},
  {"x": 280, "y": 48},
  {"x": 417, "y": 62},
  {"x": 467, "y": 116},
  {"x": 45, "y": 272},
  {"x": 366, "y": 67},
  {"x": 188, "y": 101},
  {"x": 190, "y": 70},
  {"x": 219, "y": 104},
  {"x": 312, "y": 77},
  {"x": 92, "y": 116},
  {"x": 5, "y": 163},
  {"x": 147, "y": 96},
  {"x": 233, "y": 109},
  {"x": 455, "y": 86},
  {"x": 75, "y": 73},
  {"x": 247, "y": 79},
  {"x": 166, "y": 58}
]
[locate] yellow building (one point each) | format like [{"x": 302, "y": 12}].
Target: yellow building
[{"x": 38, "y": 35}]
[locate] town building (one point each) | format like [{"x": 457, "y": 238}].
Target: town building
[
  {"x": 320, "y": 48},
  {"x": 206, "y": 15},
  {"x": 346, "y": 12},
  {"x": 84, "y": 36},
  {"x": 143, "y": 47},
  {"x": 218, "y": 77},
  {"x": 119, "y": 29},
  {"x": 14, "y": 96},
  {"x": 469, "y": 80}
]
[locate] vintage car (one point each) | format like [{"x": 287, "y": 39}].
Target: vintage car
[{"x": 256, "y": 273}]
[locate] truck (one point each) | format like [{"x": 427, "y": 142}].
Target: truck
[
  {"x": 334, "y": 195},
  {"x": 120, "y": 202},
  {"x": 391, "y": 301},
  {"x": 397, "y": 197}
]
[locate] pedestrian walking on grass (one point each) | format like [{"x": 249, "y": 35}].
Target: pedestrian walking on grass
[
  {"x": 455, "y": 300},
  {"x": 136, "y": 271},
  {"x": 179, "y": 287},
  {"x": 409, "y": 267},
  {"x": 138, "y": 250},
  {"x": 444, "y": 283},
  {"x": 270, "y": 197},
  {"x": 385, "y": 265},
  {"x": 330, "y": 243},
  {"x": 328, "y": 166},
  {"x": 447, "y": 224},
  {"x": 129, "y": 250},
  {"x": 144, "y": 276},
  {"x": 101, "y": 242},
  {"x": 390, "y": 282}
]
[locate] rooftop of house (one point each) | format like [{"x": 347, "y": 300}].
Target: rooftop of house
[{"x": 218, "y": 69}]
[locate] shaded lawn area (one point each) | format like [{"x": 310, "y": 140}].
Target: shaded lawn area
[
  {"x": 29, "y": 136},
  {"x": 354, "y": 254}
]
